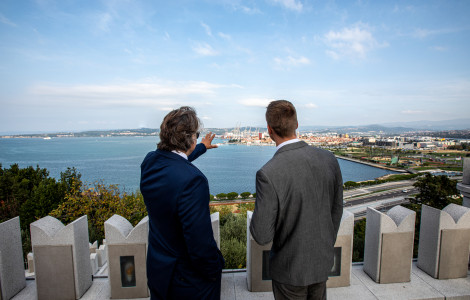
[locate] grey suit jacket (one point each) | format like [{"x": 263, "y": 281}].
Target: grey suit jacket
[{"x": 299, "y": 204}]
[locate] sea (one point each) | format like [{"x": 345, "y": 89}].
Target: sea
[{"x": 116, "y": 160}]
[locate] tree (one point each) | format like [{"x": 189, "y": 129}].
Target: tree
[
  {"x": 245, "y": 195},
  {"x": 232, "y": 195},
  {"x": 436, "y": 191},
  {"x": 31, "y": 194},
  {"x": 221, "y": 196},
  {"x": 350, "y": 184}
]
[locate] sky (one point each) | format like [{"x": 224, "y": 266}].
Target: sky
[{"x": 69, "y": 65}]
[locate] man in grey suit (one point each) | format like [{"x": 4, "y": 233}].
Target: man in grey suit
[{"x": 299, "y": 204}]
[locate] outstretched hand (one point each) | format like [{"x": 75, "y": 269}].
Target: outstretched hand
[{"x": 207, "y": 141}]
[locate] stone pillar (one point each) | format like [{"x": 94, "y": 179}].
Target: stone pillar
[
  {"x": 102, "y": 255},
  {"x": 215, "y": 220},
  {"x": 127, "y": 256},
  {"x": 93, "y": 247},
  {"x": 340, "y": 274},
  {"x": 94, "y": 263},
  {"x": 61, "y": 258},
  {"x": 30, "y": 262},
  {"x": 257, "y": 262},
  {"x": 12, "y": 276},
  {"x": 464, "y": 187},
  {"x": 444, "y": 241},
  {"x": 388, "y": 249}
]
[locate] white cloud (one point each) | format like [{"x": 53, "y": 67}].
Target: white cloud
[
  {"x": 6, "y": 21},
  {"x": 161, "y": 94},
  {"x": 206, "y": 118},
  {"x": 292, "y": 61},
  {"x": 103, "y": 22},
  {"x": 424, "y": 33},
  {"x": 290, "y": 4},
  {"x": 413, "y": 112},
  {"x": 224, "y": 36},
  {"x": 204, "y": 49},
  {"x": 167, "y": 36},
  {"x": 311, "y": 105},
  {"x": 250, "y": 10},
  {"x": 207, "y": 29},
  {"x": 353, "y": 42},
  {"x": 439, "y": 48},
  {"x": 259, "y": 102}
]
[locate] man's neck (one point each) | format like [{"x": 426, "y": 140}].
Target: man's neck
[{"x": 279, "y": 140}]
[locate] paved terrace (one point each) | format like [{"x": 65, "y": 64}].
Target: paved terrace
[{"x": 234, "y": 287}]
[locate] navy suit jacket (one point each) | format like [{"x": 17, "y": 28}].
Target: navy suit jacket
[{"x": 181, "y": 240}]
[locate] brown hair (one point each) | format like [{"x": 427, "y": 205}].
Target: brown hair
[
  {"x": 178, "y": 128},
  {"x": 281, "y": 116}
]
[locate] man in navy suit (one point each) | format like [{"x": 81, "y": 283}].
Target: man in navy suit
[{"x": 183, "y": 261}]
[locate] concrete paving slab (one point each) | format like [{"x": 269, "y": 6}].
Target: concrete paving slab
[
  {"x": 29, "y": 292},
  {"x": 415, "y": 289},
  {"x": 455, "y": 289},
  {"x": 356, "y": 291},
  {"x": 242, "y": 293},
  {"x": 228, "y": 287}
]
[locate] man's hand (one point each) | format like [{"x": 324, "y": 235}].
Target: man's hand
[{"x": 207, "y": 141}]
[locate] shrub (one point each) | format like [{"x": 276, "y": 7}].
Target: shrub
[
  {"x": 100, "y": 203},
  {"x": 233, "y": 241},
  {"x": 244, "y": 207},
  {"x": 234, "y": 253},
  {"x": 359, "y": 240}
]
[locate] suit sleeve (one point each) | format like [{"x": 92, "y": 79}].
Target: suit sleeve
[
  {"x": 193, "y": 211},
  {"x": 263, "y": 221},
  {"x": 198, "y": 151},
  {"x": 337, "y": 205}
]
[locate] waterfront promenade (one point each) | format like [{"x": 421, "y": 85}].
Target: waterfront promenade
[{"x": 371, "y": 164}]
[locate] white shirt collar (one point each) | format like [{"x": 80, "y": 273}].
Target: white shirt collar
[
  {"x": 287, "y": 143},
  {"x": 182, "y": 154}
]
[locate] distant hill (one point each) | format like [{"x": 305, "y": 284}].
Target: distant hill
[
  {"x": 395, "y": 127},
  {"x": 447, "y": 127},
  {"x": 456, "y": 124},
  {"x": 370, "y": 129}
]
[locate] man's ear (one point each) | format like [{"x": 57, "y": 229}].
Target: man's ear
[
  {"x": 270, "y": 131},
  {"x": 297, "y": 126}
]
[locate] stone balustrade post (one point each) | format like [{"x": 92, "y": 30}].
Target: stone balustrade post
[
  {"x": 388, "y": 249},
  {"x": 215, "y": 221},
  {"x": 61, "y": 258},
  {"x": 464, "y": 187},
  {"x": 340, "y": 274},
  {"x": 257, "y": 262},
  {"x": 12, "y": 273},
  {"x": 444, "y": 241},
  {"x": 127, "y": 256}
]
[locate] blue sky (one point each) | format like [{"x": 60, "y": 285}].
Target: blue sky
[{"x": 102, "y": 64}]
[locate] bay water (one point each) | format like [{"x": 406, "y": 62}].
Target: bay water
[{"x": 116, "y": 160}]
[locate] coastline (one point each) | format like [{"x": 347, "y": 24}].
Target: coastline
[{"x": 372, "y": 164}]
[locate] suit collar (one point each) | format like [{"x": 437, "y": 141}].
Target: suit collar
[
  {"x": 172, "y": 155},
  {"x": 292, "y": 146}
]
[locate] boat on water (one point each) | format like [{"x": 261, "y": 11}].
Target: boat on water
[{"x": 47, "y": 138}]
